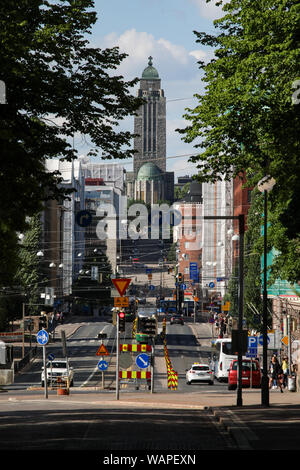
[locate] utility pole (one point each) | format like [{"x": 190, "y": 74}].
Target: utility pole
[{"x": 117, "y": 358}]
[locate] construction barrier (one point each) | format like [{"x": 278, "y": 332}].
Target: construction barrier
[
  {"x": 134, "y": 323},
  {"x": 134, "y": 374},
  {"x": 135, "y": 347},
  {"x": 172, "y": 374}
]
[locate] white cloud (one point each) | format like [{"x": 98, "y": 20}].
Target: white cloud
[
  {"x": 172, "y": 61},
  {"x": 180, "y": 79},
  {"x": 209, "y": 10}
]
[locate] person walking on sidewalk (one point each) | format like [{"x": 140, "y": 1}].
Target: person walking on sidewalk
[
  {"x": 285, "y": 371},
  {"x": 276, "y": 373}
]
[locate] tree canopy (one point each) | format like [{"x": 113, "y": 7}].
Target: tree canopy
[
  {"x": 246, "y": 121},
  {"x": 57, "y": 85}
]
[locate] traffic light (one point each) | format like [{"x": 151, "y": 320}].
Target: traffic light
[
  {"x": 43, "y": 322},
  {"x": 150, "y": 326},
  {"x": 180, "y": 279},
  {"x": 122, "y": 321}
]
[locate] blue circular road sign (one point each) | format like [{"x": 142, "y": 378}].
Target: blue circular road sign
[
  {"x": 151, "y": 287},
  {"x": 102, "y": 365},
  {"x": 211, "y": 284},
  {"x": 142, "y": 361},
  {"x": 42, "y": 337},
  {"x": 261, "y": 339}
]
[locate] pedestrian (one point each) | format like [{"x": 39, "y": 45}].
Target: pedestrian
[
  {"x": 285, "y": 371},
  {"x": 276, "y": 374}
]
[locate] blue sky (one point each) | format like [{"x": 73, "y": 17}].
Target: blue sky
[{"x": 164, "y": 30}]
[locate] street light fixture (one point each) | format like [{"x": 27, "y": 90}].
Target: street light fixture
[{"x": 264, "y": 186}]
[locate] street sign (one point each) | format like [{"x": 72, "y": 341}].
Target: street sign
[
  {"x": 260, "y": 339},
  {"x": 142, "y": 361},
  {"x": 151, "y": 287},
  {"x": 183, "y": 286},
  {"x": 102, "y": 351},
  {"x": 121, "y": 284},
  {"x": 51, "y": 357},
  {"x": 285, "y": 340},
  {"x": 252, "y": 346},
  {"x": 252, "y": 342},
  {"x": 83, "y": 218},
  {"x": 125, "y": 360},
  {"x": 102, "y": 365},
  {"x": 226, "y": 307},
  {"x": 211, "y": 284},
  {"x": 194, "y": 271},
  {"x": 42, "y": 337},
  {"x": 121, "y": 302}
]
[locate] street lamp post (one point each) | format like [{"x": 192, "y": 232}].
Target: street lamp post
[
  {"x": 265, "y": 185},
  {"x": 241, "y": 220}
]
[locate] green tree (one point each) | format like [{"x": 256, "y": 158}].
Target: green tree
[
  {"x": 252, "y": 262},
  {"x": 246, "y": 121},
  {"x": 28, "y": 275},
  {"x": 179, "y": 193},
  {"x": 57, "y": 84}
]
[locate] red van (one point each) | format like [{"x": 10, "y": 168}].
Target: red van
[{"x": 246, "y": 374}]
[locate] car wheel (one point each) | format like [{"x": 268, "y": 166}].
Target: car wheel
[
  {"x": 211, "y": 382},
  {"x": 231, "y": 387},
  {"x": 188, "y": 383}
]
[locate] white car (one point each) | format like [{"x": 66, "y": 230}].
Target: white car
[
  {"x": 199, "y": 373},
  {"x": 56, "y": 369}
]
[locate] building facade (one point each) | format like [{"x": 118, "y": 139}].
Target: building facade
[{"x": 62, "y": 238}]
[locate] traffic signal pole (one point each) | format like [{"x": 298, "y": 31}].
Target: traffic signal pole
[{"x": 117, "y": 358}]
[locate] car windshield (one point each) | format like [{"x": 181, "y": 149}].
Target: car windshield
[
  {"x": 57, "y": 365},
  {"x": 200, "y": 368},
  {"x": 246, "y": 365}
]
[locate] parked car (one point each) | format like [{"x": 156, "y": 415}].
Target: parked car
[
  {"x": 58, "y": 368},
  {"x": 247, "y": 380},
  {"x": 177, "y": 319},
  {"x": 199, "y": 373}
]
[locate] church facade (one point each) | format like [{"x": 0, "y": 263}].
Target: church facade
[{"x": 149, "y": 181}]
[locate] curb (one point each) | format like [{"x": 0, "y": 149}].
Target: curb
[{"x": 236, "y": 428}]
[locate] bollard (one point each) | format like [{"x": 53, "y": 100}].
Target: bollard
[{"x": 292, "y": 384}]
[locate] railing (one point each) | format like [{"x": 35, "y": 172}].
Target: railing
[{"x": 18, "y": 365}]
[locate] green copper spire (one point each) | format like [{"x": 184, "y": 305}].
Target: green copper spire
[{"x": 150, "y": 72}]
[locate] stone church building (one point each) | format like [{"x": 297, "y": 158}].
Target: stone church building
[{"x": 149, "y": 181}]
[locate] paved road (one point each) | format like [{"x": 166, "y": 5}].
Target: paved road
[
  {"x": 86, "y": 416},
  {"x": 88, "y": 423}
]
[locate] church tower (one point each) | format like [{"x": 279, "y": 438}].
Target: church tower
[{"x": 150, "y": 122}]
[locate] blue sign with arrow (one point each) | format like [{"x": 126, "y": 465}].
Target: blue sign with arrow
[
  {"x": 42, "y": 337},
  {"x": 102, "y": 365},
  {"x": 142, "y": 361}
]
